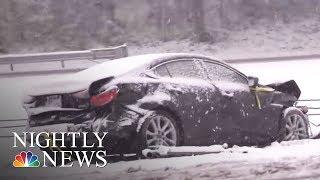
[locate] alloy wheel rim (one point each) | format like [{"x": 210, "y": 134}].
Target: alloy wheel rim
[
  {"x": 161, "y": 132},
  {"x": 295, "y": 128}
]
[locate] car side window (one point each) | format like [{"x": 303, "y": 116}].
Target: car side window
[
  {"x": 179, "y": 68},
  {"x": 162, "y": 71},
  {"x": 217, "y": 72}
]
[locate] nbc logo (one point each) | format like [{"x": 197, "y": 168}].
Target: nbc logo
[{"x": 26, "y": 160}]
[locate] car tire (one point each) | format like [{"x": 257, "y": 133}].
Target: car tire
[
  {"x": 160, "y": 128},
  {"x": 295, "y": 126}
]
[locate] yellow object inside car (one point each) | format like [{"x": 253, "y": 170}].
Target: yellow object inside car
[{"x": 258, "y": 89}]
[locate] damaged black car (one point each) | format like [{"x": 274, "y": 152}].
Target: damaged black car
[{"x": 170, "y": 100}]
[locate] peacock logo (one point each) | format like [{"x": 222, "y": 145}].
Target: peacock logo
[{"x": 26, "y": 160}]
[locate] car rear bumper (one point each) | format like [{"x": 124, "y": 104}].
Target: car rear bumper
[
  {"x": 116, "y": 141},
  {"x": 121, "y": 126}
]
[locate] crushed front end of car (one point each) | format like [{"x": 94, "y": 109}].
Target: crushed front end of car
[{"x": 288, "y": 87}]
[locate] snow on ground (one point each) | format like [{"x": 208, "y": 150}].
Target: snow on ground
[
  {"x": 286, "y": 160},
  {"x": 280, "y": 160}
]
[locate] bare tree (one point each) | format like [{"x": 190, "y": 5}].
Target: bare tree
[
  {"x": 198, "y": 16},
  {"x": 163, "y": 20},
  {"x": 198, "y": 19}
]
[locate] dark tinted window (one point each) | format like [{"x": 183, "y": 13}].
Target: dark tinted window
[
  {"x": 219, "y": 72},
  {"x": 179, "y": 68}
]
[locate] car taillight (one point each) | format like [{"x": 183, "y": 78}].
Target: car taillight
[{"x": 104, "y": 97}]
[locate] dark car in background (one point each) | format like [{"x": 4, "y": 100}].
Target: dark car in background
[{"x": 168, "y": 99}]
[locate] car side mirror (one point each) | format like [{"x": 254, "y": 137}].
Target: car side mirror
[
  {"x": 151, "y": 74},
  {"x": 253, "y": 81}
]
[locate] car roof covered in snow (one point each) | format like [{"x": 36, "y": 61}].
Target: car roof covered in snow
[{"x": 124, "y": 65}]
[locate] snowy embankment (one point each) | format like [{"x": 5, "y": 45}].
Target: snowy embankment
[{"x": 280, "y": 160}]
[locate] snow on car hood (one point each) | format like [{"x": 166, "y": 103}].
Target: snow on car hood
[{"x": 81, "y": 81}]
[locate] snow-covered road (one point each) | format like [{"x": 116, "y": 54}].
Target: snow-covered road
[{"x": 286, "y": 160}]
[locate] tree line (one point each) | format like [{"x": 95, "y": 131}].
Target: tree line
[{"x": 53, "y": 25}]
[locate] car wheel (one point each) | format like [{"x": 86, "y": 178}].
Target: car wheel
[
  {"x": 160, "y": 129},
  {"x": 296, "y": 126}
]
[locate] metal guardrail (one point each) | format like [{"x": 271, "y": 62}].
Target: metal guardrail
[
  {"x": 311, "y": 107},
  {"x": 11, "y": 126},
  {"x": 106, "y": 53},
  {"x": 272, "y": 59},
  {"x": 11, "y": 120},
  {"x": 40, "y": 72},
  {"x": 306, "y": 100},
  {"x": 6, "y": 127},
  {"x": 91, "y": 55}
]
